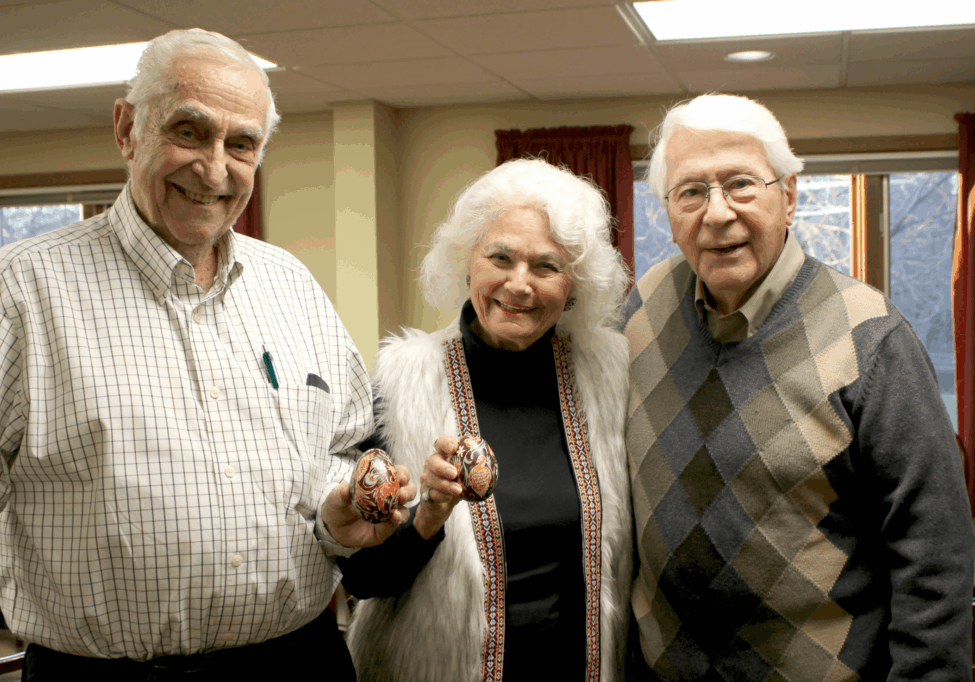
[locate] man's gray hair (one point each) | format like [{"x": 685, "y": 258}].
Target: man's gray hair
[
  {"x": 579, "y": 220},
  {"x": 730, "y": 113},
  {"x": 154, "y": 82}
]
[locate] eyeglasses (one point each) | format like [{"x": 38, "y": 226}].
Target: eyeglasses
[{"x": 692, "y": 196}]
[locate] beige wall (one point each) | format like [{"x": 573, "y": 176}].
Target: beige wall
[
  {"x": 298, "y": 194},
  {"x": 366, "y": 222},
  {"x": 59, "y": 150},
  {"x": 409, "y": 164},
  {"x": 390, "y": 245}
]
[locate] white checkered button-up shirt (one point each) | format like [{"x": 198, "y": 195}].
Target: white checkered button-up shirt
[{"x": 159, "y": 495}]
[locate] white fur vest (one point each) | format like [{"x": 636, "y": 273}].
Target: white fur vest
[{"x": 435, "y": 631}]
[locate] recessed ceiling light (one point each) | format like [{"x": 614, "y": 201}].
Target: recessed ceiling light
[
  {"x": 746, "y": 56},
  {"x": 83, "y": 66},
  {"x": 697, "y": 19}
]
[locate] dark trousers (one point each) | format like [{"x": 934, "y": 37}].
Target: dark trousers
[{"x": 316, "y": 649}]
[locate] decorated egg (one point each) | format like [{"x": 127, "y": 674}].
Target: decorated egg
[
  {"x": 477, "y": 468},
  {"x": 375, "y": 486}
]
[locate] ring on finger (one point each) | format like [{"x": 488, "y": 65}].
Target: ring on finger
[{"x": 425, "y": 497}]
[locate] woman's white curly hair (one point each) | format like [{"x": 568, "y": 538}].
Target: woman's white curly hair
[{"x": 579, "y": 220}]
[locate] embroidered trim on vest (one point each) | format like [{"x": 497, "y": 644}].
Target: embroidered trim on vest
[
  {"x": 487, "y": 524},
  {"x": 484, "y": 515},
  {"x": 577, "y": 436}
]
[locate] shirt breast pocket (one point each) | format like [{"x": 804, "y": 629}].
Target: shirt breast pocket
[{"x": 306, "y": 422}]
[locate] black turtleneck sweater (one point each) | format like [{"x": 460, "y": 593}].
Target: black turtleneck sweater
[{"x": 517, "y": 402}]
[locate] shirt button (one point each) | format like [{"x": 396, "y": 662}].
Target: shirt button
[
  {"x": 215, "y": 393},
  {"x": 198, "y": 317},
  {"x": 229, "y": 472},
  {"x": 236, "y": 560}
]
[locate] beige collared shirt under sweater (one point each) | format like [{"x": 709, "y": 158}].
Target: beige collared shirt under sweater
[{"x": 742, "y": 323}]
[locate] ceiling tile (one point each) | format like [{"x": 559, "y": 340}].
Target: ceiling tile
[
  {"x": 305, "y": 103},
  {"x": 622, "y": 85},
  {"x": 556, "y": 29},
  {"x": 262, "y": 16},
  {"x": 357, "y": 44},
  {"x": 98, "y": 100},
  {"x": 435, "y": 9},
  {"x": 895, "y": 73},
  {"x": 73, "y": 23},
  {"x": 296, "y": 92},
  {"x": 402, "y": 72},
  {"x": 756, "y": 77},
  {"x": 702, "y": 55},
  {"x": 523, "y": 66},
  {"x": 919, "y": 45},
  {"x": 433, "y": 95},
  {"x": 432, "y": 52}
]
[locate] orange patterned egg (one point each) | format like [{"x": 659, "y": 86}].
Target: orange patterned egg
[
  {"x": 477, "y": 467},
  {"x": 375, "y": 486}
]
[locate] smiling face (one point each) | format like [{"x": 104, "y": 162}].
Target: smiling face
[
  {"x": 192, "y": 170},
  {"x": 518, "y": 282},
  {"x": 731, "y": 247}
]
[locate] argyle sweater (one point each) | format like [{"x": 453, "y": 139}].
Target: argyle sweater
[{"x": 798, "y": 496}]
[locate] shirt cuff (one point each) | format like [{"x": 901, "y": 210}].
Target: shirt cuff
[{"x": 331, "y": 546}]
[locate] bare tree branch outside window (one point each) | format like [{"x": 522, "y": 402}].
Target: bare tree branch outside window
[{"x": 21, "y": 222}]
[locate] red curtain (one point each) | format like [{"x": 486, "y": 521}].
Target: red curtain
[
  {"x": 600, "y": 152},
  {"x": 249, "y": 222},
  {"x": 963, "y": 297}
]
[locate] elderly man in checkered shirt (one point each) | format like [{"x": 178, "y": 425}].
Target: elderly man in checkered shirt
[
  {"x": 798, "y": 496},
  {"x": 179, "y": 409}
]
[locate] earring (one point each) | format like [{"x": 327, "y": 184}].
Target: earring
[
  {"x": 569, "y": 304},
  {"x": 468, "y": 281}
]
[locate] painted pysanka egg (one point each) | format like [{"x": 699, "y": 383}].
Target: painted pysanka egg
[
  {"x": 375, "y": 486},
  {"x": 477, "y": 468}
]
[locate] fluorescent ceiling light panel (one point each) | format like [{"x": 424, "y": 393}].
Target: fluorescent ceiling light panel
[
  {"x": 699, "y": 19},
  {"x": 102, "y": 65}
]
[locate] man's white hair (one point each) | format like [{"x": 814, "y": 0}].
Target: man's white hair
[
  {"x": 154, "y": 84},
  {"x": 579, "y": 220},
  {"x": 731, "y": 113}
]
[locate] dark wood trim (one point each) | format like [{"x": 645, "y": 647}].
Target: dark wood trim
[
  {"x": 111, "y": 176},
  {"x": 876, "y": 145},
  {"x": 869, "y": 231},
  {"x": 852, "y": 145}
]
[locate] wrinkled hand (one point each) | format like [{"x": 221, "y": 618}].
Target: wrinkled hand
[
  {"x": 439, "y": 482},
  {"x": 349, "y": 530}
]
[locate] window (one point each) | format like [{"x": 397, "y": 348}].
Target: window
[
  {"x": 922, "y": 228},
  {"x": 886, "y": 218},
  {"x": 33, "y": 204},
  {"x": 822, "y": 220},
  {"x": 21, "y": 222},
  {"x": 652, "y": 239}
]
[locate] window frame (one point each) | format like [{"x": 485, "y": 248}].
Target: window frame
[
  {"x": 870, "y": 201},
  {"x": 95, "y": 187}
]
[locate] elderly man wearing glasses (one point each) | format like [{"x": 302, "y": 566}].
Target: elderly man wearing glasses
[{"x": 798, "y": 496}]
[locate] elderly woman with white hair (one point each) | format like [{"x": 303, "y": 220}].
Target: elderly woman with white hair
[{"x": 541, "y": 571}]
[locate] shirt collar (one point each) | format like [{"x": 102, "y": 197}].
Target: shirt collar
[
  {"x": 160, "y": 263},
  {"x": 745, "y": 321}
]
